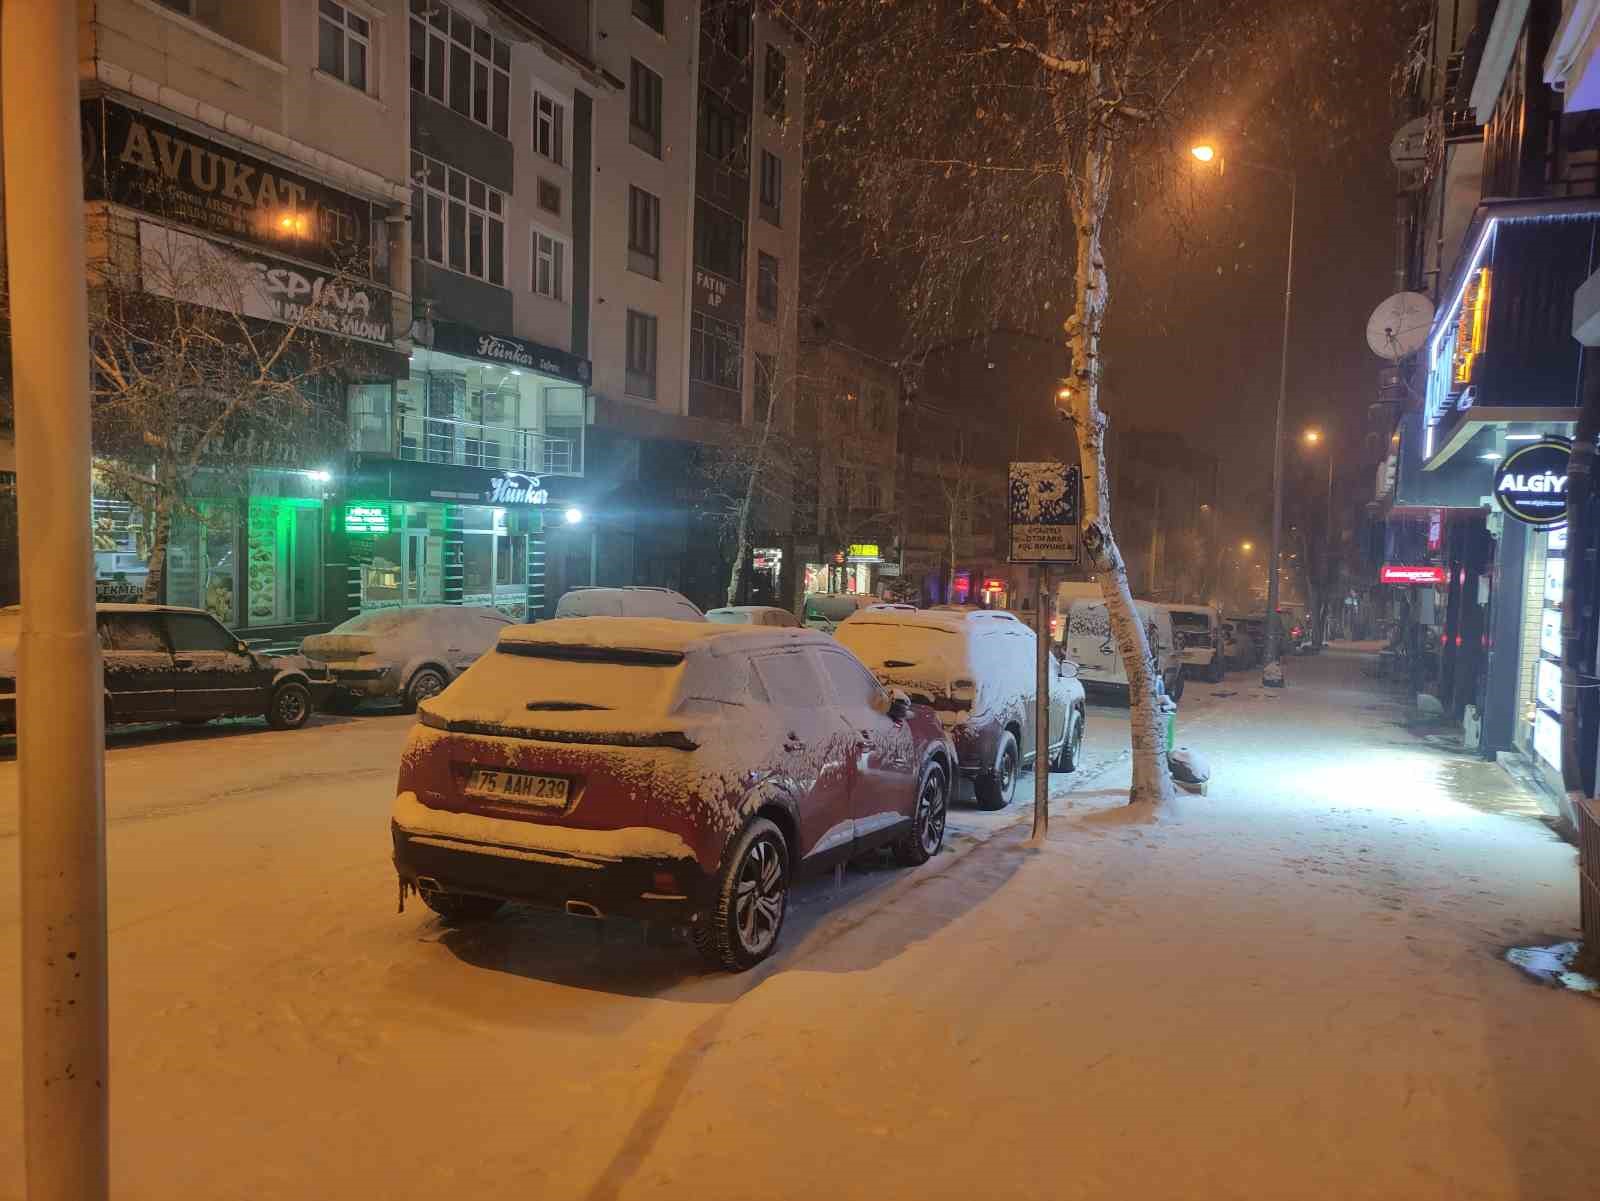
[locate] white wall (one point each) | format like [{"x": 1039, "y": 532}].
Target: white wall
[{"x": 620, "y": 37}]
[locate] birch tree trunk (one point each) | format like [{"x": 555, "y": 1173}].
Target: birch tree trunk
[
  {"x": 160, "y": 534},
  {"x": 1152, "y": 781},
  {"x": 741, "y": 537}
]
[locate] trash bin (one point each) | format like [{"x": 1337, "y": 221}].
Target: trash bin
[{"x": 1170, "y": 708}]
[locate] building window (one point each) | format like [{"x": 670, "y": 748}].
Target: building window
[
  {"x": 766, "y": 287},
  {"x": 765, "y": 385},
  {"x": 549, "y": 197},
  {"x": 715, "y": 352},
  {"x": 774, "y": 83},
  {"x": 651, "y": 13},
  {"x": 460, "y": 64},
  {"x": 873, "y": 493},
  {"x": 878, "y": 408},
  {"x": 547, "y": 255},
  {"x": 344, "y": 43},
  {"x": 549, "y": 128},
  {"x": 644, "y": 109},
  {"x": 641, "y": 373},
  {"x": 644, "y": 233},
  {"x": 721, "y": 132},
  {"x": 771, "y": 188},
  {"x": 718, "y": 242},
  {"x": 458, "y": 221},
  {"x": 728, "y": 27},
  {"x": 841, "y": 485}
]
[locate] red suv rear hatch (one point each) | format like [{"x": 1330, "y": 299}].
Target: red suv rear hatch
[{"x": 581, "y": 737}]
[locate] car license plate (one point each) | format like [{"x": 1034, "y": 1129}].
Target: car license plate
[{"x": 519, "y": 787}]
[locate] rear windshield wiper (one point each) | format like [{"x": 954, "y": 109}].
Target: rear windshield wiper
[
  {"x": 899, "y": 663},
  {"x": 564, "y": 706}
]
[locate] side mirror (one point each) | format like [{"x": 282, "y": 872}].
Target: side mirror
[
  {"x": 242, "y": 647},
  {"x": 1067, "y": 667},
  {"x": 899, "y": 706}
]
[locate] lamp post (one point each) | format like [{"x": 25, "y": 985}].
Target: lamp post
[
  {"x": 1314, "y": 437},
  {"x": 1206, "y": 153}
]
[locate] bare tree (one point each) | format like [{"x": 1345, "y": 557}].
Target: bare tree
[
  {"x": 207, "y": 361},
  {"x": 958, "y": 490}
]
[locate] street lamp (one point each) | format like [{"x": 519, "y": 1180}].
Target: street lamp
[
  {"x": 1313, "y": 437},
  {"x": 1205, "y": 152},
  {"x": 1247, "y": 547}
]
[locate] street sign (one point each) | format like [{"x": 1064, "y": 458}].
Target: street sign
[
  {"x": 1530, "y": 483},
  {"x": 1044, "y": 514},
  {"x": 1393, "y": 573}
]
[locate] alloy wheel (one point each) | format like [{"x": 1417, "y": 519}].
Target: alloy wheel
[
  {"x": 932, "y": 809},
  {"x": 291, "y": 706},
  {"x": 760, "y": 897}
]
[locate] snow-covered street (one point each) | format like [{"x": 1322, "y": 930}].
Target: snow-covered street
[{"x": 1292, "y": 987}]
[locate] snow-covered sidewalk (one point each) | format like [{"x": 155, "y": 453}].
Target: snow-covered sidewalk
[{"x": 1292, "y": 987}]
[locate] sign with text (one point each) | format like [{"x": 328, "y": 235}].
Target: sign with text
[
  {"x": 167, "y": 171},
  {"x": 1044, "y": 513},
  {"x": 366, "y": 518},
  {"x": 514, "y": 352},
  {"x": 1394, "y": 573},
  {"x": 184, "y": 267},
  {"x": 1530, "y": 484}
]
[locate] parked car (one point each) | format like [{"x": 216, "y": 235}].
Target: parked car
[
  {"x": 404, "y": 654},
  {"x": 166, "y": 663},
  {"x": 1092, "y": 645},
  {"x": 753, "y": 615},
  {"x": 683, "y": 773},
  {"x": 1199, "y": 627},
  {"x": 628, "y": 602},
  {"x": 825, "y": 610},
  {"x": 978, "y": 672}
]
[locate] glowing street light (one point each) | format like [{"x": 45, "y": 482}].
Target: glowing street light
[
  {"x": 1247, "y": 547},
  {"x": 1312, "y": 437},
  {"x": 1204, "y": 152}
]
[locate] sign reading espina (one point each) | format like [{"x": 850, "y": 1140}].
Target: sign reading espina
[{"x": 1530, "y": 484}]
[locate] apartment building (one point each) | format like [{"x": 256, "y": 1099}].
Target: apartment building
[
  {"x": 246, "y": 158},
  {"x": 697, "y": 195},
  {"x": 467, "y": 485}
]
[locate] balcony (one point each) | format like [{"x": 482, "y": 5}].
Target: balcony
[{"x": 473, "y": 444}]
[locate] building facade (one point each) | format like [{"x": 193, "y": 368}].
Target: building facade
[{"x": 245, "y": 169}]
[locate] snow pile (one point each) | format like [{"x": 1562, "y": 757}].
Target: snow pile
[
  {"x": 1188, "y": 766},
  {"x": 1272, "y": 675}
]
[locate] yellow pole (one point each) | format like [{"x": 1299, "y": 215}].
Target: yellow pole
[{"x": 60, "y": 715}]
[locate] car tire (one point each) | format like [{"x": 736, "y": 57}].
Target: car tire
[
  {"x": 290, "y": 706},
  {"x": 1176, "y": 691},
  {"x": 996, "y": 787},
  {"x": 425, "y": 682},
  {"x": 751, "y": 899},
  {"x": 1071, "y": 751},
  {"x": 456, "y": 907},
  {"x": 926, "y": 835}
]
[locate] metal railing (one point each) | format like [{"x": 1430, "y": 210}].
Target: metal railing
[{"x": 476, "y": 444}]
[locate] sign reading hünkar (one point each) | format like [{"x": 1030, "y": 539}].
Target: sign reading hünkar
[{"x": 1044, "y": 513}]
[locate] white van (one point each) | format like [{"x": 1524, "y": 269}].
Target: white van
[
  {"x": 1092, "y": 645},
  {"x": 1200, "y": 628},
  {"x": 628, "y": 602}
]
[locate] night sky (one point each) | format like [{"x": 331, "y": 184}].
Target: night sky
[{"x": 1197, "y": 260}]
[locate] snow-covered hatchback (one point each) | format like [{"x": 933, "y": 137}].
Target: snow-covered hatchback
[{"x": 679, "y": 772}]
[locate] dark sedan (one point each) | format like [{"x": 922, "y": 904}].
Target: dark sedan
[{"x": 165, "y": 663}]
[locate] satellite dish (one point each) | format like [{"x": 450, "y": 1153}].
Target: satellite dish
[{"x": 1399, "y": 326}]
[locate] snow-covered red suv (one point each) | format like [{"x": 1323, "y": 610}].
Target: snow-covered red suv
[{"x": 680, "y": 772}]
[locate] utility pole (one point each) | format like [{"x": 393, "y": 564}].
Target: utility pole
[
  {"x": 60, "y": 715},
  {"x": 1275, "y": 564}
]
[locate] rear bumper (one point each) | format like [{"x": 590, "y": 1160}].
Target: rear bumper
[
  {"x": 631, "y": 887},
  {"x": 364, "y": 681}
]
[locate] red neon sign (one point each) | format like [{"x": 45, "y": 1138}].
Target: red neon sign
[{"x": 1391, "y": 573}]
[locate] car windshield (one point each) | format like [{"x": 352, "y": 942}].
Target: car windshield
[{"x": 1191, "y": 623}]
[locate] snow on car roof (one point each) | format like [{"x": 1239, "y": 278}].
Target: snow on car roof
[
  {"x": 659, "y": 634},
  {"x": 948, "y": 620}
]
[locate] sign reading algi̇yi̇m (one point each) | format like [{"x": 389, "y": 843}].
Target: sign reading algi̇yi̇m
[
  {"x": 1530, "y": 484},
  {"x": 1044, "y": 513}
]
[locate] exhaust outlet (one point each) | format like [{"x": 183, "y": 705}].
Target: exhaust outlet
[{"x": 582, "y": 909}]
